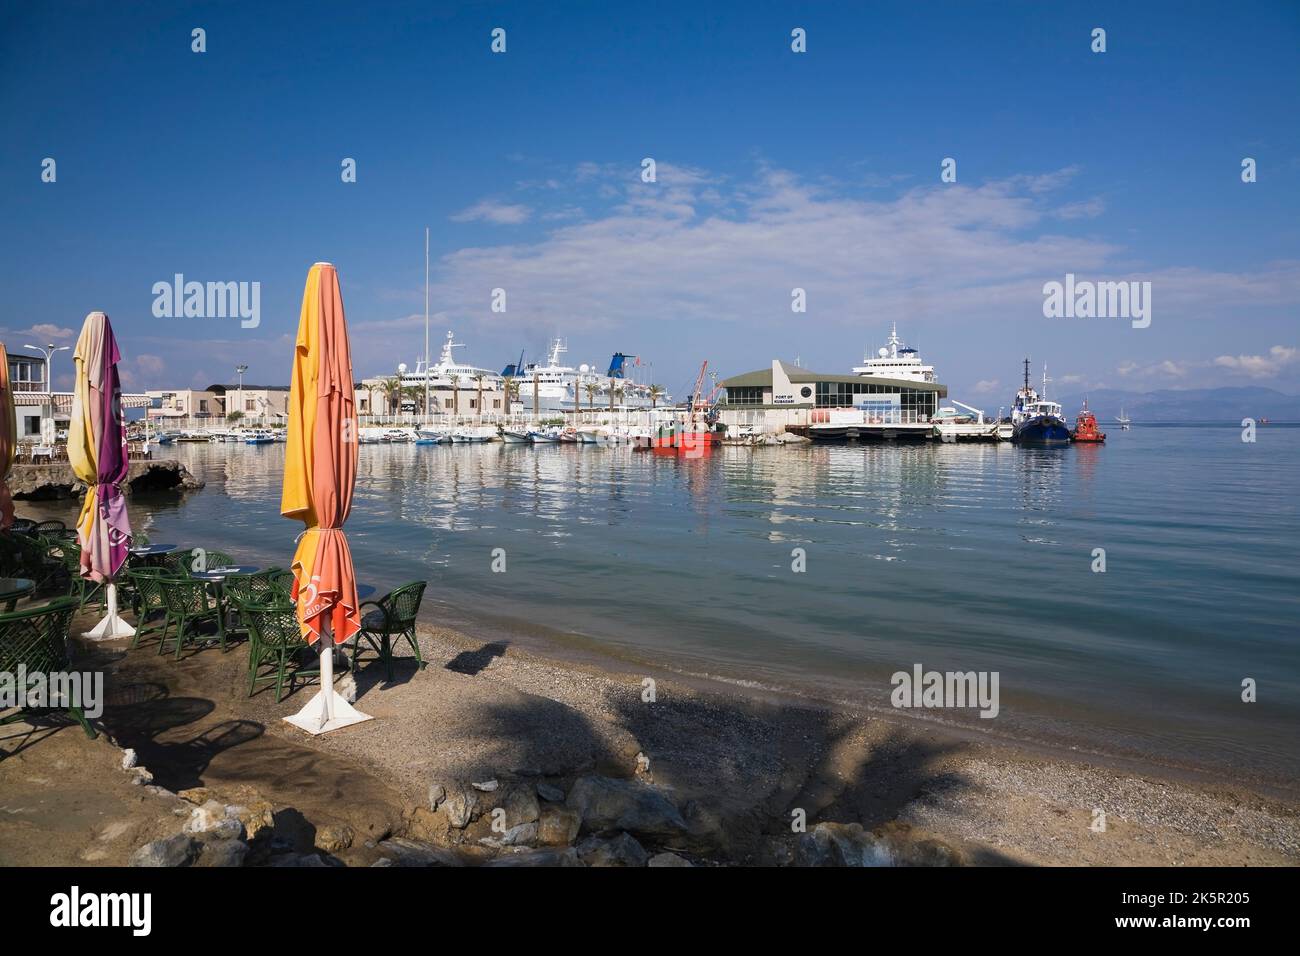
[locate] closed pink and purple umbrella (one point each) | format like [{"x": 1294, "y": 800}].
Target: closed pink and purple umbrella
[{"x": 98, "y": 455}]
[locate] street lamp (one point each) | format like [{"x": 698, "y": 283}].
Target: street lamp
[
  {"x": 48, "y": 352},
  {"x": 240, "y": 370}
]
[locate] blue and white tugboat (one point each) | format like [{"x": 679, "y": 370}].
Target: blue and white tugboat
[{"x": 1035, "y": 420}]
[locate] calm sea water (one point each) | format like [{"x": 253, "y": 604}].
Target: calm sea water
[{"x": 970, "y": 557}]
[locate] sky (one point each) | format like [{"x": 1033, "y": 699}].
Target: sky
[{"x": 775, "y": 170}]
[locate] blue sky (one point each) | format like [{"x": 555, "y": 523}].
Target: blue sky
[{"x": 775, "y": 170}]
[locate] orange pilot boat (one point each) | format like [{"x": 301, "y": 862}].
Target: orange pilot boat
[{"x": 1085, "y": 427}]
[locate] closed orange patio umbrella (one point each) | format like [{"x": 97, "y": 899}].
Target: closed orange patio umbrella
[{"x": 320, "y": 471}]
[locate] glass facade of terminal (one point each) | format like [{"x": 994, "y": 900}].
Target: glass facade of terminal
[
  {"x": 745, "y": 396},
  {"x": 916, "y": 404}
]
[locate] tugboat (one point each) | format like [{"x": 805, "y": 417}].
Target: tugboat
[
  {"x": 1035, "y": 420},
  {"x": 1085, "y": 427}
]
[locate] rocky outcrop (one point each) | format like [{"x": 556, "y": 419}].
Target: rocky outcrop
[{"x": 56, "y": 480}]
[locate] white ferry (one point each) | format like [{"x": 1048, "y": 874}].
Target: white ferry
[
  {"x": 554, "y": 387},
  {"x": 896, "y": 361},
  {"x": 448, "y": 373}
]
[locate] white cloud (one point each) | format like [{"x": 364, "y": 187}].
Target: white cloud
[
  {"x": 1260, "y": 366},
  {"x": 497, "y": 213},
  {"x": 987, "y": 385},
  {"x": 693, "y": 248}
]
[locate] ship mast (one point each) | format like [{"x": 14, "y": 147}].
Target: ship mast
[{"x": 426, "y": 320}]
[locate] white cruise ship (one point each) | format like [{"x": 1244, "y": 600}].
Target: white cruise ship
[
  {"x": 563, "y": 388},
  {"x": 896, "y": 361},
  {"x": 447, "y": 372}
]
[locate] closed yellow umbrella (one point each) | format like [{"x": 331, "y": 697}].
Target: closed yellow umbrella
[
  {"x": 8, "y": 440},
  {"x": 319, "y": 474}
]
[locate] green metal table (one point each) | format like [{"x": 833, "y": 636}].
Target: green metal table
[{"x": 11, "y": 589}]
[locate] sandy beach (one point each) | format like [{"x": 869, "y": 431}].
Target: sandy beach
[{"x": 492, "y": 754}]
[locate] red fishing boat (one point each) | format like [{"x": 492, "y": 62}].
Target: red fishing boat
[{"x": 1085, "y": 427}]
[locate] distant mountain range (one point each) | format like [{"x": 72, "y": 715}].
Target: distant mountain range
[{"x": 1190, "y": 404}]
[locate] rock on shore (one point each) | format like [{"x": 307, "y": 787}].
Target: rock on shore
[{"x": 56, "y": 480}]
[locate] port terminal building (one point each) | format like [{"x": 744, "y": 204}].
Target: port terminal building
[{"x": 791, "y": 398}]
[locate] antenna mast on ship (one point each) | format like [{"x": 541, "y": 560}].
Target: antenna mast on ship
[{"x": 1026, "y": 376}]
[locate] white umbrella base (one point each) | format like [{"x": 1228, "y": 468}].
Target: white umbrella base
[
  {"x": 314, "y": 718},
  {"x": 112, "y": 627},
  {"x": 328, "y": 710}
]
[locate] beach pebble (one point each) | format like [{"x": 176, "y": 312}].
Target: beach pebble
[
  {"x": 622, "y": 850},
  {"x": 334, "y": 837},
  {"x": 403, "y": 852},
  {"x": 558, "y": 826},
  {"x": 128, "y": 758},
  {"x": 550, "y": 793},
  {"x": 521, "y": 835},
  {"x": 222, "y": 853},
  {"x": 459, "y": 807},
  {"x": 521, "y": 806},
  {"x": 542, "y": 856},
  {"x": 206, "y": 817},
  {"x": 437, "y": 794},
  {"x": 487, "y": 786},
  {"x": 178, "y": 850}
]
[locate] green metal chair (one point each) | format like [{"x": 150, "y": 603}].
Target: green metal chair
[
  {"x": 188, "y": 560},
  {"x": 393, "y": 619},
  {"x": 83, "y": 589},
  {"x": 148, "y": 600},
  {"x": 28, "y": 556},
  {"x": 189, "y": 604},
  {"x": 282, "y": 581},
  {"x": 241, "y": 589},
  {"x": 36, "y": 638},
  {"x": 275, "y": 642}
]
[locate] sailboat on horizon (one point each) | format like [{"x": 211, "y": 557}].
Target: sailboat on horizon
[{"x": 1124, "y": 421}]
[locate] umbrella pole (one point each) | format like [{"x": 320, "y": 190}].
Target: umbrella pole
[
  {"x": 112, "y": 626},
  {"x": 327, "y": 710},
  {"x": 327, "y": 674}
]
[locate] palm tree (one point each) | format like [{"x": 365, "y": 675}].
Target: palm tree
[
  {"x": 455, "y": 395},
  {"x": 478, "y": 380},
  {"x": 656, "y": 393},
  {"x": 591, "y": 389},
  {"x": 392, "y": 389}
]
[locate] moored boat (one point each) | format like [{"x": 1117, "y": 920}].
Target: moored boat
[
  {"x": 1085, "y": 427},
  {"x": 1034, "y": 419}
]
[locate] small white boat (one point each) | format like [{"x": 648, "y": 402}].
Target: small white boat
[
  {"x": 398, "y": 435},
  {"x": 431, "y": 435},
  {"x": 515, "y": 436},
  {"x": 259, "y": 436},
  {"x": 544, "y": 436},
  {"x": 472, "y": 434}
]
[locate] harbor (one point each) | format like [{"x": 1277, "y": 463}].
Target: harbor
[{"x": 891, "y": 397}]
